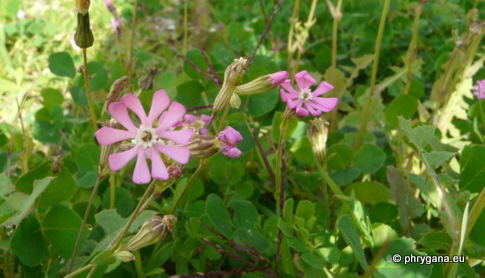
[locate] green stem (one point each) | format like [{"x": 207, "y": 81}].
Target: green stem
[
  {"x": 367, "y": 109},
  {"x": 117, "y": 240},
  {"x": 112, "y": 191},
  {"x": 132, "y": 39},
  {"x": 412, "y": 48},
  {"x": 93, "y": 270},
  {"x": 138, "y": 266},
  {"x": 291, "y": 48},
  {"x": 185, "y": 27},
  {"x": 279, "y": 154},
  {"x": 94, "y": 119},
  {"x": 333, "y": 186},
  {"x": 187, "y": 185},
  {"x": 85, "y": 219},
  {"x": 79, "y": 271}
]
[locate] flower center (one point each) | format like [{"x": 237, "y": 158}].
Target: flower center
[
  {"x": 146, "y": 136},
  {"x": 306, "y": 95}
]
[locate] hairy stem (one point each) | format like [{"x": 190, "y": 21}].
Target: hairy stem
[
  {"x": 117, "y": 240},
  {"x": 85, "y": 219},
  {"x": 187, "y": 185},
  {"x": 412, "y": 48},
  {"x": 372, "y": 96},
  {"x": 88, "y": 91},
  {"x": 79, "y": 271}
]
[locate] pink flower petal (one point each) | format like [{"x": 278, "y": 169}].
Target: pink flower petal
[
  {"x": 160, "y": 102},
  {"x": 325, "y": 104},
  {"x": 108, "y": 135},
  {"x": 120, "y": 113},
  {"x": 171, "y": 117},
  {"x": 294, "y": 103},
  {"x": 131, "y": 101},
  {"x": 304, "y": 80},
  {"x": 141, "y": 174},
  {"x": 177, "y": 153},
  {"x": 159, "y": 170},
  {"x": 181, "y": 137},
  {"x": 301, "y": 111},
  {"x": 322, "y": 89},
  {"x": 312, "y": 110},
  {"x": 230, "y": 151},
  {"x": 287, "y": 86},
  {"x": 118, "y": 160}
]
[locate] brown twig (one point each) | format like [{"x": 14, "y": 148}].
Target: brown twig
[
  {"x": 268, "y": 25},
  {"x": 211, "y": 67},
  {"x": 208, "y": 76},
  {"x": 282, "y": 202},
  {"x": 224, "y": 252}
]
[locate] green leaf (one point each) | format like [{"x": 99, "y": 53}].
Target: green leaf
[
  {"x": 190, "y": 93},
  {"x": 99, "y": 76},
  {"x": 5, "y": 185},
  {"x": 61, "y": 227},
  {"x": 27, "y": 243},
  {"x": 39, "y": 187},
  {"x": 247, "y": 143},
  {"x": 402, "y": 247},
  {"x": 60, "y": 189},
  {"x": 51, "y": 97},
  {"x": 437, "y": 158},
  {"x": 409, "y": 206},
  {"x": 79, "y": 96},
  {"x": 369, "y": 159},
  {"x": 403, "y": 105},
  {"x": 302, "y": 150},
  {"x": 351, "y": 236},
  {"x": 87, "y": 157},
  {"x": 312, "y": 259},
  {"x": 305, "y": 209},
  {"x": 420, "y": 135},
  {"x": 329, "y": 254},
  {"x": 61, "y": 64},
  {"x": 339, "y": 156},
  {"x": 416, "y": 89},
  {"x": 195, "y": 56},
  {"x": 369, "y": 192},
  {"x": 472, "y": 164},
  {"x": 218, "y": 214},
  {"x": 261, "y": 104},
  {"x": 124, "y": 203},
  {"x": 436, "y": 241},
  {"x": 245, "y": 214}
]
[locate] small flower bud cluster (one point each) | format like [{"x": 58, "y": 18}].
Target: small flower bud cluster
[
  {"x": 199, "y": 126},
  {"x": 228, "y": 139}
]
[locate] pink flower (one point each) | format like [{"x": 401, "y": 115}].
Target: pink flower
[
  {"x": 479, "y": 89},
  {"x": 307, "y": 101},
  {"x": 278, "y": 77},
  {"x": 198, "y": 126},
  {"x": 229, "y": 138},
  {"x": 151, "y": 139}
]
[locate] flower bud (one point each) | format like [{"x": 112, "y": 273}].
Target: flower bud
[
  {"x": 83, "y": 37},
  {"x": 318, "y": 134},
  {"x": 146, "y": 82},
  {"x": 262, "y": 84},
  {"x": 83, "y": 6},
  {"x": 115, "y": 91},
  {"x": 152, "y": 231},
  {"x": 203, "y": 146},
  {"x": 124, "y": 256},
  {"x": 232, "y": 77}
]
